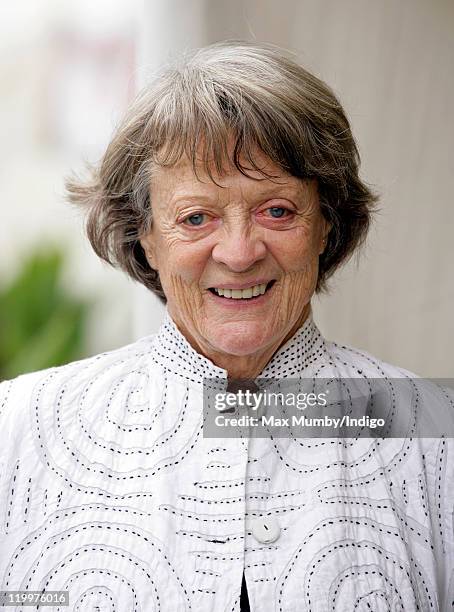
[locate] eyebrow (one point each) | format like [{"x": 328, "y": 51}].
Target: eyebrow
[
  {"x": 264, "y": 189},
  {"x": 193, "y": 197}
]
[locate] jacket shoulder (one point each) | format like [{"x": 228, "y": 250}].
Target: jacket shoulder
[
  {"x": 351, "y": 361},
  {"x": 16, "y": 394}
]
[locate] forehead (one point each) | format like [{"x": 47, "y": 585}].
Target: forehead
[{"x": 183, "y": 176}]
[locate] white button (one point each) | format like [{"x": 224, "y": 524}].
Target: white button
[{"x": 265, "y": 529}]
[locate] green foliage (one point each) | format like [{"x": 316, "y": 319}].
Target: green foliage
[{"x": 40, "y": 324}]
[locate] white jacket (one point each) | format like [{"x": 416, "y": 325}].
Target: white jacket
[{"x": 109, "y": 490}]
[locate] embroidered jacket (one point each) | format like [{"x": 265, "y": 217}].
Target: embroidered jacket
[{"x": 110, "y": 491}]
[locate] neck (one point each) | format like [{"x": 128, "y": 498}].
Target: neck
[{"x": 248, "y": 366}]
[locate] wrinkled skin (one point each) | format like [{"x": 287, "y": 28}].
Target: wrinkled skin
[{"x": 206, "y": 235}]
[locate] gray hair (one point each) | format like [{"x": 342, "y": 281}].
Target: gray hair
[{"x": 266, "y": 101}]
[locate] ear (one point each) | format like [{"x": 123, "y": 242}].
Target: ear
[
  {"x": 147, "y": 245},
  {"x": 326, "y": 228}
]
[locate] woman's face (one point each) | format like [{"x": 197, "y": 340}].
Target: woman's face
[{"x": 257, "y": 241}]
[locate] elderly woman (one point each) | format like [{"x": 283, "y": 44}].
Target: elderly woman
[{"x": 231, "y": 190}]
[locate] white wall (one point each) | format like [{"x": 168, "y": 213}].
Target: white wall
[{"x": 391, "y": 65}]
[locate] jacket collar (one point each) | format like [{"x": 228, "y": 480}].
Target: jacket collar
[{"x": 174, "y": 353}]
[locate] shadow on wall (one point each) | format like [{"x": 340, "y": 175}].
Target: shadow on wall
[{"x": 41, "y": 324}]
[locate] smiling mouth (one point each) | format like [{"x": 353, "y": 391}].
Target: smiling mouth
[{"x": 242, "y": 294}]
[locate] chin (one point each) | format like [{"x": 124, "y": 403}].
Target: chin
[{"x": 241, "y": 339}]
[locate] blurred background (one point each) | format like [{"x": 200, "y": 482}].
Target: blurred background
[{"x": 67, "y": 73}]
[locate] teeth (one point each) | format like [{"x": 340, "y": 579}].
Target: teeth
[{"x": 241, "y": 294}]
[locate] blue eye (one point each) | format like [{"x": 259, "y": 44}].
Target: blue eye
[
  {"x": 196, "y": 219},
  {"x": 277, "y": 211}
]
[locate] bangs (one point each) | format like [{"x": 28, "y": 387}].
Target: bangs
[{"x": 219, "y": 128}]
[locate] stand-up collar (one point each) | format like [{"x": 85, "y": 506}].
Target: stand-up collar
[{"x": 173, "y": 352}]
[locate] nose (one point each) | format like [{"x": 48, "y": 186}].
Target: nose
[{"x": 239, "y": 248}]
